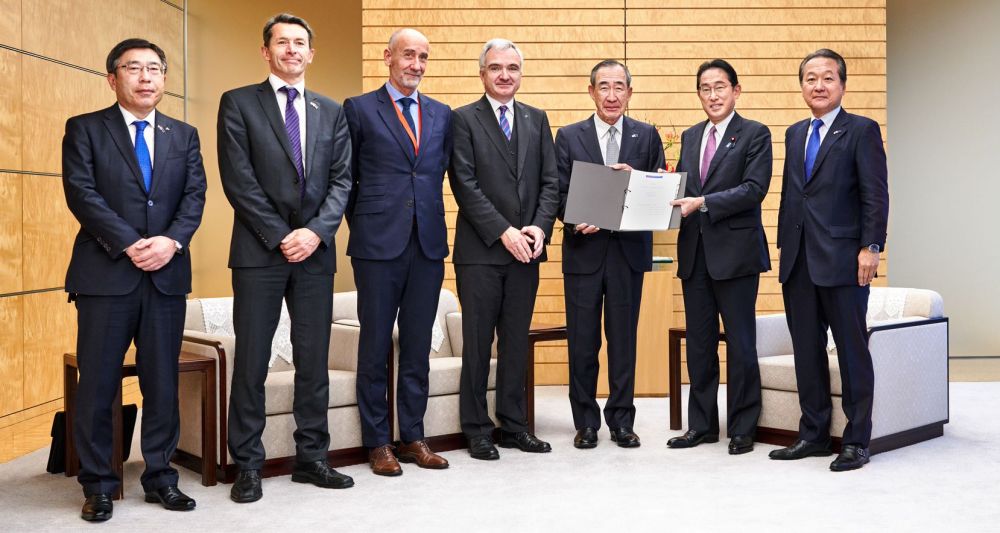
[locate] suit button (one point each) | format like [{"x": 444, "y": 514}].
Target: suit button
[
  {"x": 295, "y": 180},
  {"x": 295, "y": 213},
  {"x": 145, "y": 236},
  {"x": 413, "y": 174},
  {"x": 150, "y": 203},
  {"x": 511, "y": 152},
  {"x": 409, "y": 203},
  {"x": 805, "y": 196},
  {"x": 517, "y": 213},
  {"x": 797, "y": 226}
]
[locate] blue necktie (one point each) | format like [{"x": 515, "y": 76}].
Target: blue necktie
[
  {"x": 812, "y": 148},
  {"x": 142, "y": 154},
  {"x": 407, "y": 102},
  {"x": 294, "y": 137},
  {"x": 504, "y": 125}
]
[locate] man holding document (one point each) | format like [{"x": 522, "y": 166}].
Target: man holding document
[
  {"x": 603, "y": 268},
  {"x": 722, "y": 250}
]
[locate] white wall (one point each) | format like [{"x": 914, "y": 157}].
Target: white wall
[{"x": 944, "y": 154}]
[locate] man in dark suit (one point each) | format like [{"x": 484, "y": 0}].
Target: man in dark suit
[
  {"x": 503, "y": 174},
  {"x": 134, "y": 179},
  {"x": 284, "y": 156},
  {"x": 721, "y": 249},
  {"x": 401, "y": 142},
  {"x": 605, "y": 266},
  {"x": 831, "y": 228}
]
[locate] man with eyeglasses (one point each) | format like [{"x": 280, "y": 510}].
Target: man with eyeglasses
[
  {"x": 284, "y": 157},
  {"x": 721, "y": 252},
  {"x": 134, "y": 179},
  {"x": 602, "y": 269}
]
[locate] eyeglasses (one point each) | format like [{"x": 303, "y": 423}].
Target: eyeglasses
[
  {"x": 154, "y": 69},
  {"x": 718, "y": 89}
]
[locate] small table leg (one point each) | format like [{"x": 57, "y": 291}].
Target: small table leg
[
  {"x": 69, "y": 400},
  {"x": 208, "y": 427},
  {"x": 117, "y": 455},
  {"x": 674, "y": 391},
  {"x": 529, "y": 385}
]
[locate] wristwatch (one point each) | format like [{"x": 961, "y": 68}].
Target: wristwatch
[
  {"x": 179, "y": 248},
  {"x": 703, "y": 207},
  {"x": 874, "y": 248}
]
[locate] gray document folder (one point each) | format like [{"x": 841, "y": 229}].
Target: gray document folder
[{"x": 600, "y": 196}]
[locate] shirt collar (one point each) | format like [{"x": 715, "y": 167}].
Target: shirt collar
[
  {"x": 396, "y": 95},
  {"x": 603, "y": 127},
  {"x": 496, "y": 104},
  {"x": 277, "y": 83},
  {"x": 130, "y": 118},
  {"x": 721, "y": 127},
  {"x": 827, "y": 118}
]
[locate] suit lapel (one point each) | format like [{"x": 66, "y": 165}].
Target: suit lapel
[
  {"x": 390, "y": 115},
  {"x": 694, "y": 154},
  {"x": 726, "y": 145},
  {"x": 525, "y": 130},
  {"x": 115, "y": 123},
  {"x": 489, "y": 123},
  {"x": 269, "y": 104},
  {"x": 628, "y": 128},
  {"x": 591, "y": 144},
  {"x": 314, "y": 125},
  {"x": 795, "y": 151},
  {"x": 834, "y": 134},
  {"x": 161, "y": 143},
  {"x": 426, "y": 127}
]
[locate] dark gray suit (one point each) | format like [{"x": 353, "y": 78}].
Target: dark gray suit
[
  {"x": 262, "y": 183},
  {"x": 498, "y": 184}
]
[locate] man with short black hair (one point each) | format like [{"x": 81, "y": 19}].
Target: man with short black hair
[{"x": 134, "y": 179}]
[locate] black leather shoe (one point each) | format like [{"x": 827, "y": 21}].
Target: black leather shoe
[
  {"x": 171, "y": 498},
  {"x": 625, "y": 437},
  {"x": 852, "y": 457},
  {"x": 481, "y": 447},
  {"x": 800, "y": 450},
  {"x": 97, "y": 508},
  {"x": 693, "y": 438},
  {"x": 320, "y": 474},
  {"x": 246, "y": 488},
  {"x": 740, "y": 444},
  {"x": 585, "y": 438},
  {"x": 524, "y": 441}
]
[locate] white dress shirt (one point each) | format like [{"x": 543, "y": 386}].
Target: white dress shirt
[
  {"x": 414, "y": 108},
  {"x": 147, "y": 133},
  {"x": 827, "y": 122},
  {"x": 720, "y": 133},
  {"x": 603, "y": 131},
  {"x": 509, "y": 115},
  {"x": 300, "y": 108}
]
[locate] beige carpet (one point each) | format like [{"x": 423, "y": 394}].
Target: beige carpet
[{"x": 948, "y": 484}]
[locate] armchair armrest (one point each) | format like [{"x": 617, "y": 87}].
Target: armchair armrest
[
  {"x": 773, "y": 337},
  {"x": 344, "y": 347},
  {"x": 218, "y": 347}
]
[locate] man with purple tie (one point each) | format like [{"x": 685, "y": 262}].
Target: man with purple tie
[{"x": 284, "y": 156}]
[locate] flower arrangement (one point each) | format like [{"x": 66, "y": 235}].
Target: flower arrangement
[{"x": 670, "y": 138}]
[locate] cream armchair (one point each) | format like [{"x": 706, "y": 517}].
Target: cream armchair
[{"x": 908, "y": 339}]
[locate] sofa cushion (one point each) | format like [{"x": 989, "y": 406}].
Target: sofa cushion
[
  {"x": 778, "y": 373},
  {"x": 279, "y": 390},
  {"x": 446, "y": 372}
]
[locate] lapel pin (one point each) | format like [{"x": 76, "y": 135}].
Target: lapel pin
[
  {"x": 732, "y": 141},
  {"x": 315, "y": 106},
  {"x": 634, "y": 135},
  {"x": 837, "y": 132},
  {"x": 159, "y": 127}
]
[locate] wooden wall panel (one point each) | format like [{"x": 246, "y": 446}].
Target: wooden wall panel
[
  {"x": 49, "y": 230},
  {"x": 12, "y": 359},
  {"x": 10, "y": 23},
  {"x": 10, "y": 233},
  {"x": 52, "y": 94},
  {"x": 174, "y": 108},
  {"x": 10, "y": 110},
  {"x": 49, "y": 332}
]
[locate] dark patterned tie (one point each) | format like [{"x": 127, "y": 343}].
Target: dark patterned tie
[
  {"x": 142, "y": 154},
  {"x": 504, "y": 125},
  {"x": 294, "y": 137}
]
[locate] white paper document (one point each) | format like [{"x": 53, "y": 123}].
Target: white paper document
[{"x": 647, "y": 201}]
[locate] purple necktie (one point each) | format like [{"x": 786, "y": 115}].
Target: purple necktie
[
  {"x": 709, "y": 154},
  {"x": 504, "y": 125},
  {"x": 294, "y": 137}
]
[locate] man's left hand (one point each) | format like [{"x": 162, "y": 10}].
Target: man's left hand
[
  {"x": 536, "y": 236},
  {"x": 299, "y": 245},
  {"x": 154, "y": 253},
  {"x": 689, "y": 205},
  {"x": 867, "y": 266}
]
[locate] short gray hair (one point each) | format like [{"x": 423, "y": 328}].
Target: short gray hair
[
  {"x": 498, "y": 45},
  {"x": 610, "y": 63}
]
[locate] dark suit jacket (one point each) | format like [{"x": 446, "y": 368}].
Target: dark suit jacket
[
  {"x": 391, "y": 184},
  {"x": 261, "y": 182},
  {"x": 845, "y": 205},
  {"x": 105, "y": 192},
  {"x": 738, "y": 178},
  {"x": 642, "y": 149},
  {"x": 496, "y": 190}
]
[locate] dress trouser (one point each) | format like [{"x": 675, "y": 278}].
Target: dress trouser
[
  {"x": 617, "y": 290},
  {"x": 107, "y": 325},
  {"x": 496, "y": 299},
  {"x": 409, "y": 285},
  {"x": 257, "y": 296},
  {"x": 705, "y": 299},
  {"x": 810, "y": 310}
]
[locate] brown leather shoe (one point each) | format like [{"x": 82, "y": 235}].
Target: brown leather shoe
[
  {"x": 384, "y": 462},
  {"x": 418, "y": 452}
]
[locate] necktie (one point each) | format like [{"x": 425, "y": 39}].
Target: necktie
[
  {"x": 611, "y": 155},
  {"x": 294, "y": 137},
  {"x": 407, "y": 102},
  {"x": 504, "y": 125},
  {"x": 706, "y": 160},
  {"x": 812, "y": 148},
  {"x": 142, "y": 154}
]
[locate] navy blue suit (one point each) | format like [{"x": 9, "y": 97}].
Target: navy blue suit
[
  {"x": 397, "y": 246},
  {"x": 116, "y": 301},
  {"x": 822, "y": 227},
  {"x": 604, "y": 270}
]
